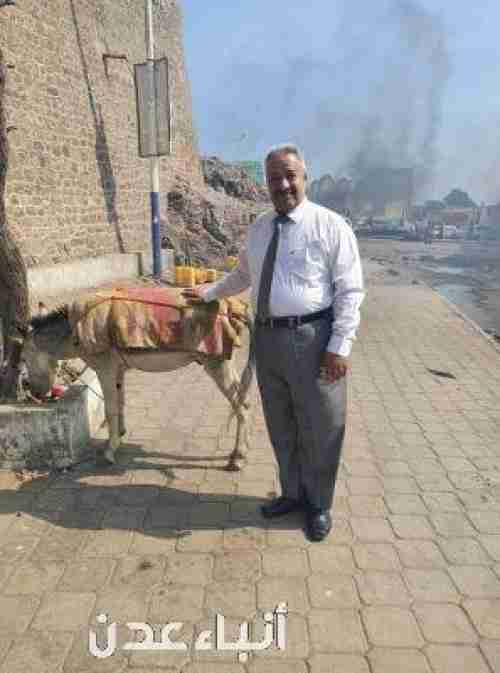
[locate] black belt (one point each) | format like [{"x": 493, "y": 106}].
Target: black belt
[{"x": 294, "y": 320}]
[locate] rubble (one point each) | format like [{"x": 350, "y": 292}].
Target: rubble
[
  {"x": 232, "y": 180},
  {"x": 206, "y": 225}
]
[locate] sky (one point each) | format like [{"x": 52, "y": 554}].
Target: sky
[{"x": 395, "y": 82}]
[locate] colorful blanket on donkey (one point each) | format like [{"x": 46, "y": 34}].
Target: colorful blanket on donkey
[{"x": 156, "y": 318}]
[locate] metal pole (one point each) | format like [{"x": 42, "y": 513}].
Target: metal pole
[{"x": 154, "y": 161}]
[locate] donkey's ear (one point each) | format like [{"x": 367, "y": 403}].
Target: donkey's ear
[{"x": 42, "y": 309}]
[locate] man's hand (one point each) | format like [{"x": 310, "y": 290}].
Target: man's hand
[
  {"x": 334, "y": 367},
  {"x": 194, "y": 294}
]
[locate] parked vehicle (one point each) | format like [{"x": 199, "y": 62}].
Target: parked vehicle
[{"x": 451, "y": 231}]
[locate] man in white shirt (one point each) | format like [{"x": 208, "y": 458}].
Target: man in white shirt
[{"x": 303, "y": 265}]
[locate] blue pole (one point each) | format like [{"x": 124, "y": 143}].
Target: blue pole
[
  {"x": 155, "y": 233},
  {"x": 155, "y": 162}
]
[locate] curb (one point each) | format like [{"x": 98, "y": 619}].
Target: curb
[{"x": 464, "y": 317}]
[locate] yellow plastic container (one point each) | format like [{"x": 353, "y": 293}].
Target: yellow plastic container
[
  {"x": 201, "y": 275},
  {"x": 211, "y": 275},
  {"x": 231, "y": 262},
  {"x": 185, "y": 276}
]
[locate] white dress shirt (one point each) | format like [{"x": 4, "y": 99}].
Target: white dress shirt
[{"x": 317, "y": 265}]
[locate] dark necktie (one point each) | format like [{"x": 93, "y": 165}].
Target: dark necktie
[{"x": 266, "y": 276}]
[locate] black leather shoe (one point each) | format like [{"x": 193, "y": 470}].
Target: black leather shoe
[
  {"x": 279, "y": 507},
  {"x": 319, "y": 524}
]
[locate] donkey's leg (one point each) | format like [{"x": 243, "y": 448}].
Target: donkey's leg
[
  {"x": 120, "y": 385},
  {"x": 107, "y": 368},
  {"x": 224, "y": 375}
]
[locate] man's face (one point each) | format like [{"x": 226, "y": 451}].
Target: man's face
[{"x": 286, "y": 181}]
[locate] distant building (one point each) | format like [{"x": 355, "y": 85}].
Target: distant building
[
  {"x": 333, "y": 193},
  {"x": 254, "y": 169},
  {"x": 489, "y": 222}
]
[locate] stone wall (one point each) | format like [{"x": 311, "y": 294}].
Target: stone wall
[{"x": 75, "y": 186}]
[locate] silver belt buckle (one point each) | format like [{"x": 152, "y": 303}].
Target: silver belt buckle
[
  {"x": 292, "y": 322},
  {"x": 271, "y": 322}
]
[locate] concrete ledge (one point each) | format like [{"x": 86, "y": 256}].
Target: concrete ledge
[
  {"x": 84, "y": 273},
  {"x": 53, "y": 435}
]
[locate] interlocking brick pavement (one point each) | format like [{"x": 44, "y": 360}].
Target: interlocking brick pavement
[{"x": 407, "y": 582}]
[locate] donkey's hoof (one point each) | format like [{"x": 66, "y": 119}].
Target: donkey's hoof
[
  {"x": 123, "y": 432},
  {"x": 109, "y": 456},
  {"x": 238, "y": 454}
]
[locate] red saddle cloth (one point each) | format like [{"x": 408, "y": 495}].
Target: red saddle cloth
[{"x": 150, "y": 318}]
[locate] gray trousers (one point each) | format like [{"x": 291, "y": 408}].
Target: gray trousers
[{"x": 305, "y": 416}]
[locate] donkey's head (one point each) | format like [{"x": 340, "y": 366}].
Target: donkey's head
[{"x": 46, "y": 342}]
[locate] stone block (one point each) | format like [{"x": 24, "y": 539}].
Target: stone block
[
  {"x": 452, "y": 524},
  {"x": 266, "y": 666},
  {"x": 290, "y": 590},
  {"x": 400, "y": 485},
  {"x": 492, "y": 545},
  {"x": 243, "y": 565},
  {"x": 334, "y": 631},
  {"x": 338, "y": 663},
  {"x": 405, "y": 503},
  {"x": 442, "y": 502},
  {"x": 331, "y": 559},
  {"x": 431, "y": 586},
  {"x": 420, "y": 554},
  {"x": 190, "y": 569},
  {"x": 200, "y": 540},
  {"x": 64, "y": 611},
  {"x": 410, "y": 527},
  {"x": 387, "y": 660},
  {"x": 54, "y": 435},
  {"x": 16, "y": 613},
  {"x": 376, "y": 529},
  {"x": 382, "y": 588},
  {"x": 247, "y": 537},
  {"x": 333, "y": 592},
  {"x": 107, "y": 543},
  {"x": 176, "y": 602},
  {"x": 365, "y": 486},
  {"x": 376, "y": 556},
  {"x": 35, "y": 578},
  {"x": 154, "y": 542},
  {"x": 444, "y": 624},
  {"x": 233, "y": 599},
  {"x": 475, "y": 581},
  {"x": 294, "y": 565},
  {"x": 491, "y": 651},
  {"x": 485, "y": 615},
  {"x": 86, "y": 575},
  {"x": 38, "y": 651},
  {"x": 486, "y": 521},
  {"x": 123, "y": 604},
  {"x": 459, "y": 659},
  {"x": 464, "y": 551},
  {"x": 367, "y": 505},
  {"x": 391, "y": 627}
]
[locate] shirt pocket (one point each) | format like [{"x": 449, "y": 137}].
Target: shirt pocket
[{"x": 307, "y": 262}]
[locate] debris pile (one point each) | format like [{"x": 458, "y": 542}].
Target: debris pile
[
  {"x": 206, "y": 225},
  {"x": 232, "y": 180}
]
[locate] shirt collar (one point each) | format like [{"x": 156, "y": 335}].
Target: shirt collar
[{"x": 296, "y": 214}]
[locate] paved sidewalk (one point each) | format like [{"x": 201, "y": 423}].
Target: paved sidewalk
[{"x": 408, "y": 581}]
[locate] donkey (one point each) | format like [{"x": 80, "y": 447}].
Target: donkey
[{"x": 52, "y": 337}]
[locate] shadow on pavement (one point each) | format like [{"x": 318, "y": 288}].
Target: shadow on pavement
[{"x": 92, "y": 497}]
